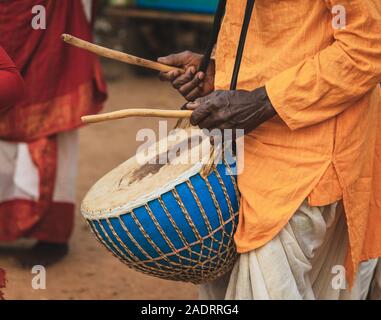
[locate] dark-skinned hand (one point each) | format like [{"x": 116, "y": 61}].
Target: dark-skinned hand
[
  {"x": 190, "y": 83},
  {"x": 223, "y": 109}
]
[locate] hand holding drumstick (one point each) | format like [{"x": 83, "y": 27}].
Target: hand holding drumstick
[
  {"x": 193, "y": 83},
  {"x": 130, "y": 59}
]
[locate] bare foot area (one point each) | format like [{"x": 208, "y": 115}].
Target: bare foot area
[{"x": 89, "y": 271}]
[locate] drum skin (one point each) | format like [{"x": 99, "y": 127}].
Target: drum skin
[{"x": 186, "y": 234}]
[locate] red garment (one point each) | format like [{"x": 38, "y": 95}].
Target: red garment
[
  {"x": 11, "y": 88},
  {"x": 62, "y": 84},
  {"x": 11, "y": 83}
]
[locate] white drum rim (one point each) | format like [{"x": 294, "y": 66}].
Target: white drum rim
[{"x": 140, "y": 201}]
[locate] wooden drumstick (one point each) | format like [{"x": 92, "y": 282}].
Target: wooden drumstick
[
  {"x": 127, "y": 113},
  {"x": 117, "y": 55}
]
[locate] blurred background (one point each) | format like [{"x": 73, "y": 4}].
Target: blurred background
[
  {"x": 153, "y": 28},
  {"x": 149, "y": 29}
]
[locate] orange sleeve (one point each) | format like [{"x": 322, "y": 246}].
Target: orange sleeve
[{"x": 322, "y": 86}]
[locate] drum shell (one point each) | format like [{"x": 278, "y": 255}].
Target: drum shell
[{"x": 186, "y": 234}]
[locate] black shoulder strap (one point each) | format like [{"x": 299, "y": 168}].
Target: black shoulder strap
[
  {"x": 241, "y": 44},
  {"x": 213, "y": 39}
]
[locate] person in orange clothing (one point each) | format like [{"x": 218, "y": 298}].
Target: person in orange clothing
[
  {"x": 309, "y": 101},
  {"x": 38, "y": 136}
]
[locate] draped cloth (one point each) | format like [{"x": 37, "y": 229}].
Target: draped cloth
[
  {"x": 11, "y": 84},
  {"x": 375, "y": 292},
  {"x": 11, "y": 89},
  {"x": 37, "y": 148},
  {"x": 325, "y": 143},
  {"x": 304, "y": 261},
  {"x": 21, "y": 214},
  {"x": 63, "y": 83},
  {"x": 32, "y": 205}
]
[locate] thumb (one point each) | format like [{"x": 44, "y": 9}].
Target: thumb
[
  {"x": 171, "y": 60},
  {"x": 176, "y": 59}
]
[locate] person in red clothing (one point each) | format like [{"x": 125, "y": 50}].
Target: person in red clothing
[
  {"x": 11, "y": 83},
  {"x": 38, "y": 136},
  {"x": 11, "y": 90}
]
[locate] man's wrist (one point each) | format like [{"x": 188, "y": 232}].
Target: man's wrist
[{"x": 264, "y": 102}]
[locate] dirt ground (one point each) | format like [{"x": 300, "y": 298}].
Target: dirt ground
[{"x": 89, "y": 271}]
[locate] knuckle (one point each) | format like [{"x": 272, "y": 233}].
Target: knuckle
[
  {"x": 179, "y": 81},
  {"x": 196, "y": 81},
  {"x": 172, "y": 77},
  {"x": 184, "y": 79},
  {"x": 183, "y": 91},
  {"x": 176, "y": 85}
]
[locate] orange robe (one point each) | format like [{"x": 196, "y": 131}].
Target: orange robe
[{"x": 325, "y": 144}]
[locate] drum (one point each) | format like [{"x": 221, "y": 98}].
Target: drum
[{"x": 168, "y": 220}]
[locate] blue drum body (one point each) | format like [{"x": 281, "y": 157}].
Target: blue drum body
[{"x": 185, "y": 234}]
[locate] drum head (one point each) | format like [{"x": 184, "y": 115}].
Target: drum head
[{"x": 154, "y": 170}]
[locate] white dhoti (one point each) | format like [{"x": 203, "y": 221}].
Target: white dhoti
[
  {"x": 20, "y": 191},
  {"x": 304, "y": 261},
  {"x": 19, "y": 177}
]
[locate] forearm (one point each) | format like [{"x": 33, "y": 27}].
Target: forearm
[
  {"x": 11, "y": 83},
  {"x": 11, "y": 88}
]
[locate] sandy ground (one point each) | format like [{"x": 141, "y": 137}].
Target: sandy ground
[{"x": 89, "y": 271}]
